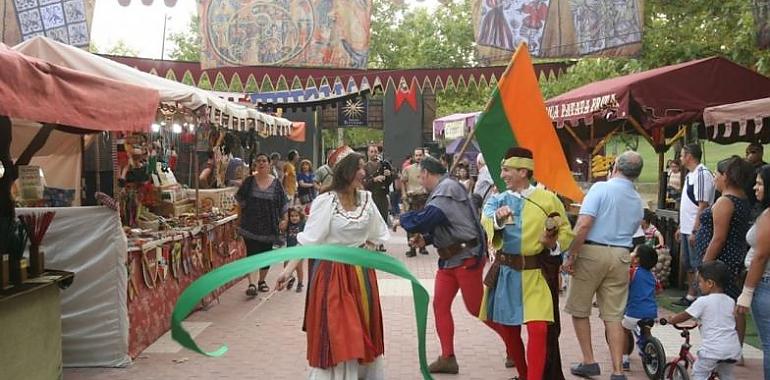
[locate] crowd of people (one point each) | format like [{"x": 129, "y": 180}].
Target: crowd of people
[{"x": 505, "y": 252}]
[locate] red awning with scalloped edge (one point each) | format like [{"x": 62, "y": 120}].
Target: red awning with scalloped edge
[{"x": 38, "y": 91}]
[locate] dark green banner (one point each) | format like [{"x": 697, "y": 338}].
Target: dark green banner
[{"x": 235, "y": 270}]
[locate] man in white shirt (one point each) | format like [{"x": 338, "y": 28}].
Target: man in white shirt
[{"x": 697, "y": 195}]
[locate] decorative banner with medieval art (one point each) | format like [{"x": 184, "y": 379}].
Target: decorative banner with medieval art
[
  {"x": 558, "y": 28},
  {"x": 308, "y": 33},
  {"x": 66, "y": 21}
]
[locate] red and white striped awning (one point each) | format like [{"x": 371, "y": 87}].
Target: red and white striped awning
[
  {"x": 169, "y": 3},
  {"x": 742, "y": 121}
]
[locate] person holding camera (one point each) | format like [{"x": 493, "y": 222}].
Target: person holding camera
[{"x": 379, "y": 176}]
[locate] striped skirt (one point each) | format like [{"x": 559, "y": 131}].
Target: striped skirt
[{"x": 343, "y": 318}]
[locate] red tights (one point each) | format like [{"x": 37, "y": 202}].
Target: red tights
[
  {"x": 468, "y": 279},
  {"x": 533, "y": 366}
]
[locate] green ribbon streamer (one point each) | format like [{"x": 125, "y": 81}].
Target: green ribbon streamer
[{"x": 347, "y": 255}]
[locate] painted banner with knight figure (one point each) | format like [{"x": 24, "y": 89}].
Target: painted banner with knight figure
[
  {"x": 557, "y": 28},
  {"x": 297, "y": 33}
]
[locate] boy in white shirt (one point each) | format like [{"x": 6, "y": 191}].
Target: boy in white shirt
[{"x": 720, "y": 348}]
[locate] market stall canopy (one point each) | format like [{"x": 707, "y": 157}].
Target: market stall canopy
[
  {"x": 455, "y": 125},
  {"x": 659, "y": 98},
  {"x": 456, "y": 145},
  {"x": 738, "y": 122},
  {"x": 229, "y": 114},
  {"x": 39, "y": 91}
]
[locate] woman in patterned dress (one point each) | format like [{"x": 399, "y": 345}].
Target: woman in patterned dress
[
  {"x": 723, "y": 226},
  {"x": 263, "y": 216},
  {"x": 343, "y": 318}
]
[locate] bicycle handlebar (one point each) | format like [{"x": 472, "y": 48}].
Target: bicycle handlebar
[{"x": 664, "y": 322}]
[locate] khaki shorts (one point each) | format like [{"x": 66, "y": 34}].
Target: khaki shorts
[{"x": 602, "y": 271}]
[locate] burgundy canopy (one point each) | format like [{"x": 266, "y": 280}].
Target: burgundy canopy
[
  {"x": 659, "y": 98},
  {"x": 35, "y": 90}
]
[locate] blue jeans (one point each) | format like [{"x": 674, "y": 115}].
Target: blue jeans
[
  {"x": 690, "y": 259},
  {"x": 687, "y": 254},
  {"x": 395, "y": 203},
  {"x": 760, "y": 309}
]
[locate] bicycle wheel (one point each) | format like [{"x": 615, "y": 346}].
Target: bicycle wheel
[
  {"x": 675, "y": 371},
  {"x": 654, "y": 358}
]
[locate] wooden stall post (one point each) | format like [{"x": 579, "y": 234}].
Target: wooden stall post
[
  {"x": 6, "y": 180},
  {"x": 196, "y": 174},
  {"x": 662, "y": 179}
]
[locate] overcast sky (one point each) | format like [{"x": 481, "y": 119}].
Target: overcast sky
[{"x": 141, "y": 26}]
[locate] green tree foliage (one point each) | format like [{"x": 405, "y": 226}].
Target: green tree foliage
[
  {"x": 679, "y": 31},
  {"x": 119, "y": 49},
  {"x": 187, "y": 45},
  {"x": 586, "y": 71},
  {"x": 412, "y": 38}
]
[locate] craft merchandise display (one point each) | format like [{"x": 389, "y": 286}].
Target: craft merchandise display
[{"x": 160, "y": 265}]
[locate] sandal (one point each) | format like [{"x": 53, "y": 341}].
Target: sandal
[
  {"x": 290, "y": 283},
  {"x": 263, "y": 287},
  {"x": 251, "y": 291},
  {"x": 299, "y": 287}
]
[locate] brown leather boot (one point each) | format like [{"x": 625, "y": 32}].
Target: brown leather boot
[{"x": 444, "y": 365}]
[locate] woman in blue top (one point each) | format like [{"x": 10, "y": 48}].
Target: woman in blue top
[{"x": 306, "y": 182}]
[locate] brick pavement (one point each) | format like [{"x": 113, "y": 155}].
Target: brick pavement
[{"x": 266, "y": 342}]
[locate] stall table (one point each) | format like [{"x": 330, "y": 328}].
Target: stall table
[
  {"x": 30, "y": 328},
  {"x": 159, "y": 273}
]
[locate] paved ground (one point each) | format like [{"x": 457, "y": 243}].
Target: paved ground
[{"x": 266, "y": 342}]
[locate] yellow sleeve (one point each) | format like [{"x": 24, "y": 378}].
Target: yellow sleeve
[{"x": 494, "y": 237}]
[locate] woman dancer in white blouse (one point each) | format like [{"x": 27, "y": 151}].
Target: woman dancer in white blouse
[{"x": 343, "y": 318}]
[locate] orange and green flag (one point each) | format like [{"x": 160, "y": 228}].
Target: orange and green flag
[{"x": 516, "y": 116}]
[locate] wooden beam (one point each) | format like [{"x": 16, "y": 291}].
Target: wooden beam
[
  {"x": 604, "y": 141},
  {"x": 679, "y": 135},
  {"x": 575, "y": 136},
  {"x": 641, "y": 130},
  {"x": 35, "y": 145}
]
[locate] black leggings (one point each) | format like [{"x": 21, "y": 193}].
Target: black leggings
[{"x": 255, "y": 247}]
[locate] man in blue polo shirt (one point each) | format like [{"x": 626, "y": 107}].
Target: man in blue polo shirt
[{"x": 599, "y": 261}]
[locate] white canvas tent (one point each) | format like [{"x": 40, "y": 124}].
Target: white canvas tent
[
  {"x": 742, "y": 121},
  {"x": 60, "y": 157},
  {"x": 170, "y": 91}
]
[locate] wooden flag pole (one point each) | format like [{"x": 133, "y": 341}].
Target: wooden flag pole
[{"x": 463, "y": 149}]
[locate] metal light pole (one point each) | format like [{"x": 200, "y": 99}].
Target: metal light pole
[{"x": 166, "y": 17}]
